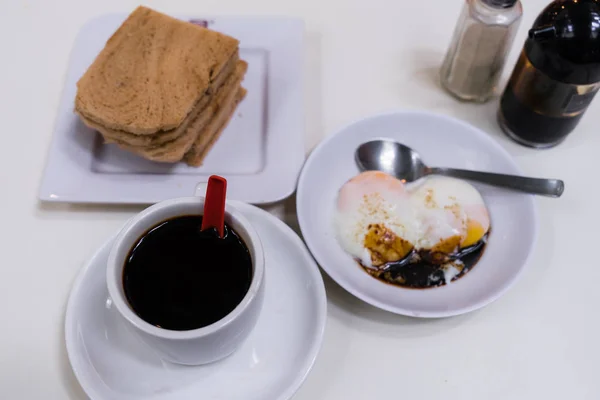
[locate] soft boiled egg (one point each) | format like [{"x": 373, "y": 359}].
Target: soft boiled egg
[
  {"x": 452, "y": 215},
  {"x": 374, "y": 220},
  {"x": 380, "y": 219}
]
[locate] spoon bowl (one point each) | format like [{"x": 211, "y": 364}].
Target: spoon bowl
[
  {"x": 392, "y": 158},
  {"x": 404, "y": 163}
]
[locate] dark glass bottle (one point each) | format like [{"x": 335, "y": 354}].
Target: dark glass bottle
[{"x": 556, "y": 76}]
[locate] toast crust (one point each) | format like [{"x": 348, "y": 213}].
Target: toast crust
[{"x": 195, "y": 157}]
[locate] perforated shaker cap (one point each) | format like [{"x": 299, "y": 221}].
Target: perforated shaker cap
[{"x": 500, "y": 3}]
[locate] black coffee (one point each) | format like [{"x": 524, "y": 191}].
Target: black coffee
[{"x": 177, "y": 277}]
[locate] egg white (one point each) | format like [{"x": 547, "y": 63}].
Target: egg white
[
  {"x": 446, "y": 207},
  {"x": 425, "y": 213},
  {"x": 372, "y": 199}
]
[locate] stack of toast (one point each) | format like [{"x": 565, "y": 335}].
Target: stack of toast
[{"x": 162, "y": 88}]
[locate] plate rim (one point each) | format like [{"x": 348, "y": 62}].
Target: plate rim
[
  {"x": 312, "y": 270},
  {"x": 77, "y": 193},
  {"x": 357, "y": 292}
]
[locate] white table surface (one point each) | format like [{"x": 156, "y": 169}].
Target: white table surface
[{"x": 539, "y": 341}]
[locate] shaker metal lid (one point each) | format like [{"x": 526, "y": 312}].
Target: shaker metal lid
[{"x": 500, "y": 3}]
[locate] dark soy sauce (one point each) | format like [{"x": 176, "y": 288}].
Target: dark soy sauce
[
  {"x": 179, "y": 278},
  {"x": 420, "y": 274},
  {"x": 557, "y": 75}
]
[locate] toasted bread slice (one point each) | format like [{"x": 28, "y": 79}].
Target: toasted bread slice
[
  {"x": 161, "y": 137},
  {"x": 151, "y": 73},
  {"x": 195, "y": 157},
  {"x": 174, "y": 151}
]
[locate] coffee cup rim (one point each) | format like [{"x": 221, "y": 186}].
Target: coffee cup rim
[{"x": 116, "y": 265}]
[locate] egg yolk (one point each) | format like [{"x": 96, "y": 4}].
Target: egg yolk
[
  {"x": 475, "y": 232},
  {"x": 384, "y": 245},
  {"x": 440, "y": 251}
]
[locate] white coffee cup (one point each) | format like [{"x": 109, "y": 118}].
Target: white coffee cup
[{"x": 197, "y": 346}]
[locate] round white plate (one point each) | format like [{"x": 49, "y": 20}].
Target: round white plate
[
  {"x": 110, "y": 361},
  {"x": 441, "y": 141}
]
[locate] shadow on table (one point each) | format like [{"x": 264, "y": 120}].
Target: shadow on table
[
  {"x": 68, "y": 378},
  {"x": 313, "y": 91},
  {"x": 356, "y": 314},
  {"x": 427, "y": 93},
  {"x": 47, "y": 210}
]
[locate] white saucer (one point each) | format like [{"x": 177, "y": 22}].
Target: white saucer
[
  {"x": 444, "y": 142},
  {"x": 111, "y": 363}
]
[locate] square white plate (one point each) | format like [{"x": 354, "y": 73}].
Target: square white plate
[{"x": 260, "y": 152}]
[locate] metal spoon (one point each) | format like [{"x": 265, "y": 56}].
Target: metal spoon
[{"x": 404, "y": 163}]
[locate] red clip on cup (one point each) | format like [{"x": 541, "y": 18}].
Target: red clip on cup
[{"x": 214, "y": 204}]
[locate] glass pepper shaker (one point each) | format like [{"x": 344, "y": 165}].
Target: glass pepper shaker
[{"x": 477, "y": 53}]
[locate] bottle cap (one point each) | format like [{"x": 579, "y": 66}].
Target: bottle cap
[
  {"x": 543, "y": 32},
  {"x": 564, "y": 41},
  {"x": 500, "y": 3}
]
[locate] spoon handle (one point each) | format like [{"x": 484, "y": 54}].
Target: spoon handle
[{"x": 545, "y": 187}]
